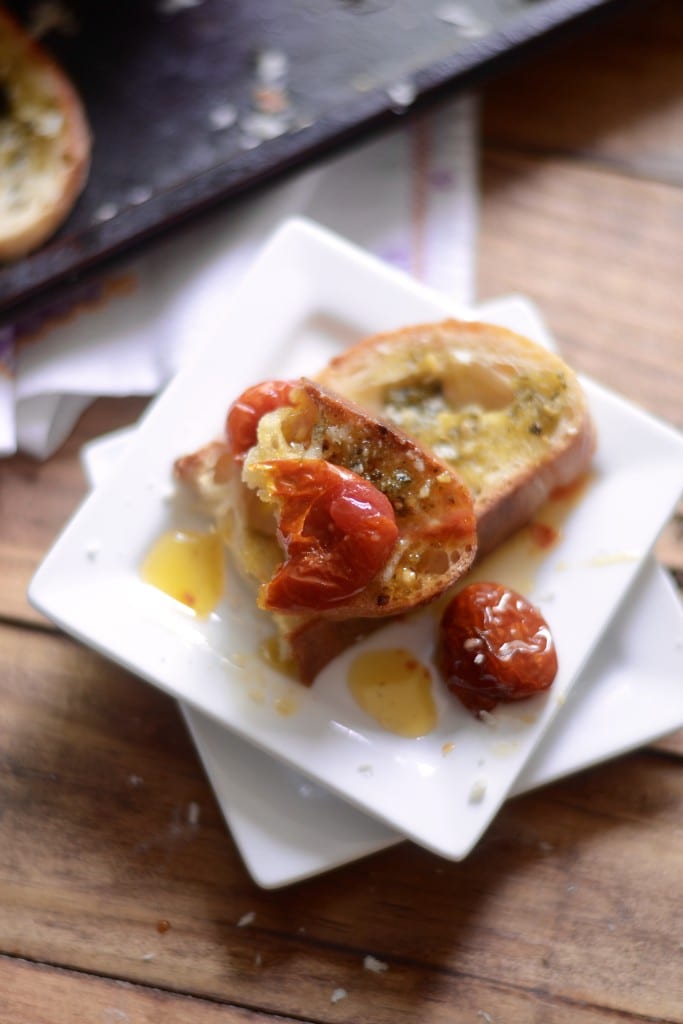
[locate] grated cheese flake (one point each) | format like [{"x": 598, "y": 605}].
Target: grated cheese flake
[
  {"x": 371, "y": 963},
  {"x": 478, "y": 791}
]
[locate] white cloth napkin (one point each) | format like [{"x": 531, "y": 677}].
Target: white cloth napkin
[{"x": 409, "y": 197}]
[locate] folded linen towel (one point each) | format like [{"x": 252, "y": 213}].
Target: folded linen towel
[{"x": 409, "y": 197}]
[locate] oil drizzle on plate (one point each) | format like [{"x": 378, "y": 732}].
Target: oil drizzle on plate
[
  {"x": 394, "y": 688},
  {"x": 520, "y": 557},
  {"x": 271, "y": 652},
  {"x": 189, "y": 567}
]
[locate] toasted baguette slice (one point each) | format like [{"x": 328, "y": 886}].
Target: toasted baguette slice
[
  {"x": 44, "y": 143},
  {"x": 508, "y": 415},
  {"x": 433, "y": 509}
]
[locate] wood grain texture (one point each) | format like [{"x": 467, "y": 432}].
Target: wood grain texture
[
  {"x": 568, "y": 911},
  {"x": 611, "y": 95},
  {"x": 601, "y": 256},
  {"x": 97, "y": 846},
  {"x": 40, "y": 994}
]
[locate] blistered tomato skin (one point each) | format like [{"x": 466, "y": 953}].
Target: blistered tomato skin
[
  {"x": 245, "y": 412},
  {"x": 337, "y": 531},
  {"x": 495, "y": 646}
]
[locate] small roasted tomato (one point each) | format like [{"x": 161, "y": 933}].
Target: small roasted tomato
[
  {"x": 337, "y": 531},
  {"x": 494, "y": 646},
  {"x": 245, "y": 412}
]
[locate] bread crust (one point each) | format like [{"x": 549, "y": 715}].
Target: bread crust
[
  {"x": 534, "y": 433},
  {"x": 433, "y": 508},
  {"x": 530, "y": 424},
  {"x": 47, "y": 140}
]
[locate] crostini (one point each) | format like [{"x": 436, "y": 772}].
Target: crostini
[
  {"x": 338, "y": 518},
  {"x": 45, "y": 142},
  {"x": 508, "y": 415}
]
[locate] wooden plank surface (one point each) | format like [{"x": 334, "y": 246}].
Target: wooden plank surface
[
  {"x": 610, "y": 96},
  {"x": 122, "y": 895},
  {"x": 601, "y": 255},
  {"x": 98, "y": 847},
  {"x": 41, "y": 994},
  {"x": 583, "y": 206}
]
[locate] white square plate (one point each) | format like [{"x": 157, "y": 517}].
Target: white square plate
[
  {"x": 630, "y": 692},
  {"x": 306, "y": 295}
]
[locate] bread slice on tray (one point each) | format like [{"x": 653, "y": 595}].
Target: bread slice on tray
[
  {"x": 45, "y": 142},
  {"x": 338, "y": 518},
  {"x": 508, "y": 415}
]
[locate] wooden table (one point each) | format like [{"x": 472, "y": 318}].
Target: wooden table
[{"x": 114, "y": 907}]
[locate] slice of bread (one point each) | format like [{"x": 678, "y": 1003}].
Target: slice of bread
[
  {"x": 508, "y": 415},
  {"x": 433, "y": 511},
  {"x": 44, "y": 143}
]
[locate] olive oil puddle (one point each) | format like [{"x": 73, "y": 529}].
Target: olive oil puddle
[
  {"x": 188, "y": 566},
  {"x": 390, "y": 685},
  {"x": 395, "y": 689}
]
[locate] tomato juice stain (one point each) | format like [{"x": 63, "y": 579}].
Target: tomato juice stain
[{"x": 543, "y": 535}]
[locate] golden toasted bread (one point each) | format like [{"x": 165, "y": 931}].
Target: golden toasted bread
[
  {"x": 44, "y": 142},
  {"x": 434, "y": 541},
  {"x": 508, "y": 415}
]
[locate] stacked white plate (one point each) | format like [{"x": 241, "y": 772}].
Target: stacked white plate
[{"x": 323, "y": 784}]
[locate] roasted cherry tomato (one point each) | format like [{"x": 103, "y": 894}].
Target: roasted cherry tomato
[
  {"x": 494, "y": 646},
  {"x": 337, "y": 531},
  {"x": 246, "y": 411}
]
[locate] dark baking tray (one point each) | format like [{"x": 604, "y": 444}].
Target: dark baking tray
[{"x": 155, "y": 74}]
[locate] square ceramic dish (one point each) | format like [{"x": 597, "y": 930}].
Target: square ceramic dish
[
  {"x": 630, "y": 692},
  {"x": 308, "y": 294}
]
